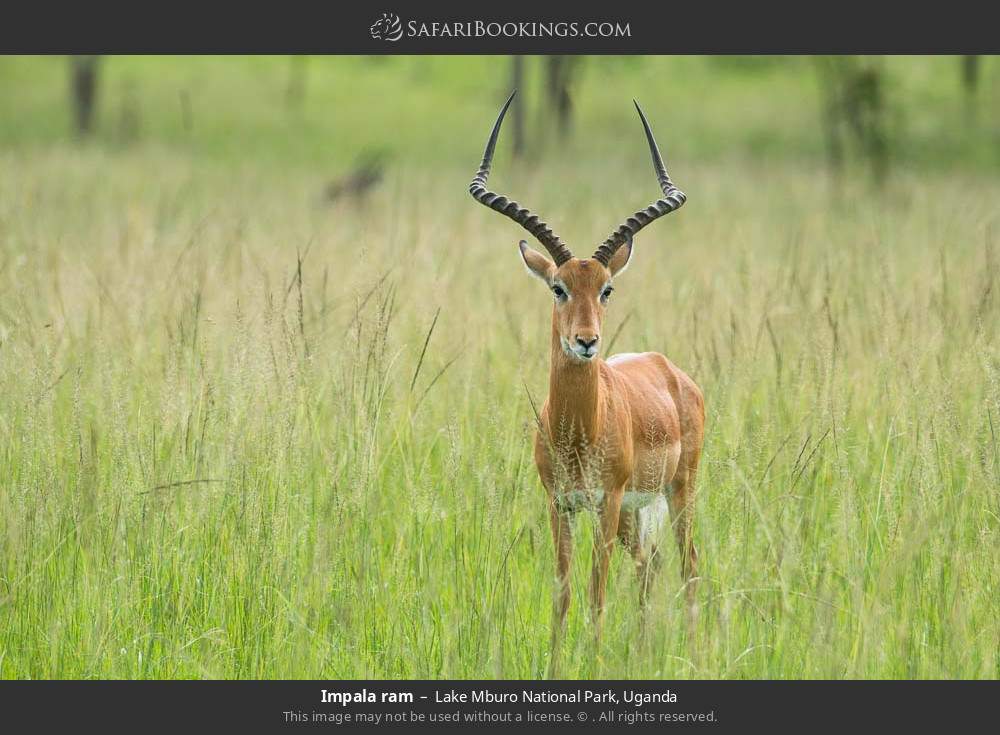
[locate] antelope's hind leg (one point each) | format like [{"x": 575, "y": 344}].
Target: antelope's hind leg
[
  {"x": 682, "y": 501},
  {"x": 640, "y": 531}
]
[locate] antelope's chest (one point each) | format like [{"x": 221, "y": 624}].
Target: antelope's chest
[{"x": 647, "y": 466}]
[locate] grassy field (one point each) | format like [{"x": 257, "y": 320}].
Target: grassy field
[{"x": 224, "y": 452}]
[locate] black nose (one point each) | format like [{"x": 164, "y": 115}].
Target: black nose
[{"x": 585, "y": 344}]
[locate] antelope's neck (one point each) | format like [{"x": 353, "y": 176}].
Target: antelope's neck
[{"x": 576, "y": 397}]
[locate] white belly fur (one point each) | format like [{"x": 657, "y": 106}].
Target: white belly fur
[{"x": 652, "y": 519}]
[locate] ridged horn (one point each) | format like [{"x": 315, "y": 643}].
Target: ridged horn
[
  {"x": 672, "y": 199},
  {"x": 509, "y": 208}
]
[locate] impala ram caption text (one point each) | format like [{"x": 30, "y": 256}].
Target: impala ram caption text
[{"x": 486, "y": 696}]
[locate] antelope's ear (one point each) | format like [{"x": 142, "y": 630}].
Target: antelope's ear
[
  {"x": 621, "y": 258},
  {"x": 537, "y": 264}
]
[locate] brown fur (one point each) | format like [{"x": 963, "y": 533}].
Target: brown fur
[{"x": 634, "y": 422}]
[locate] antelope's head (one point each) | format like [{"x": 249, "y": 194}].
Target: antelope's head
[{"x": 581, "y": 287}]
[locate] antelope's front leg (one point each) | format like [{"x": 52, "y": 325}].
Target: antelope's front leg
[
  {"x": 562, "y": 536},
  {"x": 604, "y": 544}
]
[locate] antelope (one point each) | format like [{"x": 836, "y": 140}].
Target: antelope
[{"x": 622, "y": 436}]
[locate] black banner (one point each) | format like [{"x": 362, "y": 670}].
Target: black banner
[
  {"x": 469, "y": 28},
  {"x": 256, "y": 706}
]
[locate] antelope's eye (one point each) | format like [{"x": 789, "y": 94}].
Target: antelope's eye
[
  {"x": 560, "y": 294},
  {"x": 606, "y": 293}
]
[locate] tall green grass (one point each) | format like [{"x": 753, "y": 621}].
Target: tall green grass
[{"x": 224, "y": 453}]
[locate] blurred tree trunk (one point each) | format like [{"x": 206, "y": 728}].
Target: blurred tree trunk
[
  {"x": 560, "y": 72},
  {"x": 853, "y": 90},
  {"x": 83, "y": 91},
  {"x": 517, "y": 82},
  {"x": 970, "y": 73},
  {"x": 830, "y": 116},
  {"x": 970, "y": 83},
  {"x": 295, "y": 92}
]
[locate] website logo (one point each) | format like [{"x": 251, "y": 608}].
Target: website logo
[
  {"x": 390, "y": 28},
  {"x": 387, "y": 28}
]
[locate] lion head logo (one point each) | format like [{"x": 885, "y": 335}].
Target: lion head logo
[{"x": 387, "y": 28}]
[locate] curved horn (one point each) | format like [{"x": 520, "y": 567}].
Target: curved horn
[
  {"x": 559, "y": 252},
  {"x": 673, "y": 198}
]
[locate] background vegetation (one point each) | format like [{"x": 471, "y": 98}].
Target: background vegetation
[{"x": 265, "y": 367}]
